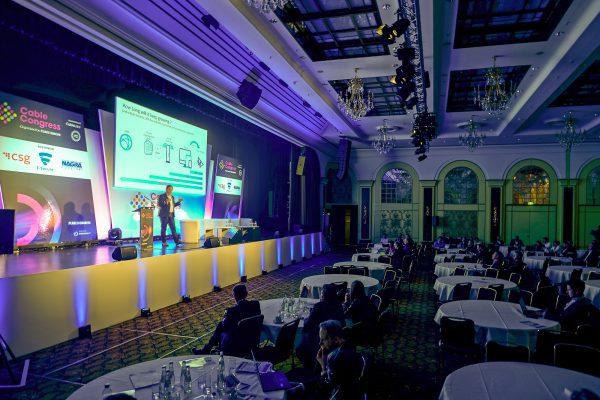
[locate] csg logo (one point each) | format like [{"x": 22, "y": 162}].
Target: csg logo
[{"x": 18, "y": 157}]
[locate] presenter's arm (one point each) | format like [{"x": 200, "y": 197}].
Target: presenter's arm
[
  {"x": 162, "y": 201},
  {"x": 179, "y": 201}
]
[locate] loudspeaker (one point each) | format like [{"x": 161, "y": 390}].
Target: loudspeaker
[
  {"x": 211, "y": 242},
  {"x": 343, "y": 157},
  {"x": 249, "y": 94},
  {"x": 435, "y": 220},
  {"x": 7, "y": 233},
  {"x": 124, "y": 253},
  {"x": 115, "y": 234}
]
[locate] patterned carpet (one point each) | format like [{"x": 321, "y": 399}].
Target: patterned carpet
[{"x": 409, "y": 371}]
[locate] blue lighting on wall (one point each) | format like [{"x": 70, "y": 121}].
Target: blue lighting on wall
[
  {"x": 241, "y": 259},
  {"x": 278, "y": 251},
  {"x": 303, "y": 240},
  {"x": 215, "y": 267},
  {"x": 312, "y": 243},
  {"x": 142, "y": 289},
  {"x": 320, "y": 242},
  {"x": 292, "y": 247},
  {"x": 80, "y": 297},
  {"x": 183, "y": 275}
]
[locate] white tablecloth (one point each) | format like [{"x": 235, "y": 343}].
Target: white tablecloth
[
  {"x": 537, "y": 262},
  {"x": 270, "y": 309},
  {"x": 445, "y": 286},
  {"x": 439, "y": 258},
  {"x": 592, "y": 292},
  {"x": 499, "y": 321},
  {"x": 447, "y": 269},
  {"x": 512, "y": 381},
  {"x": 562, "y": 273},
  {"x": 376, "y": 269},
  {"x": 119, "y": 380},
  {"x": 315, "y": 283},
  {"x": 374, "y": 256}
]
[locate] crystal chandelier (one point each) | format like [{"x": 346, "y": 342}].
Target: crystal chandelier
[
  {"x": 472, "y": 139},
  {"x": 353, "y": 101},
  {"x": 266, "y": 6},
  {"x": 496, "y": 96},
  {"x": 569, "y": 136},
  {"x": 384, "y": 143}
]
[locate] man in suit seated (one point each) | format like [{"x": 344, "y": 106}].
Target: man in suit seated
[
  {"x": 590, "y": 258},
  {"x": 516, "y": 243},
  {"x": 576, "y": 311},
  {"x": 225, "y": 335}
]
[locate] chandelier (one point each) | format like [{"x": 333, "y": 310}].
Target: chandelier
[
  {"x": 568, "y": 135},
  {"x": 472, "y": 139},
  {"x": 384, "y": 143},
  {"x": 496, "y": 96},
  {"x": 353, "y": 101},
  {"x": 266, "y": 6}
]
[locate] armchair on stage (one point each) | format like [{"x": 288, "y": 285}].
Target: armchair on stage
[{"x": 230, "y": 231}]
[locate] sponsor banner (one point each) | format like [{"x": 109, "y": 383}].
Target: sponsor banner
[
  {"x": 30, "y": 120},
  {"x": 43, "y": 159},
  {"x": 225, "y": 185},
  {"x": 229, "y": 174}
]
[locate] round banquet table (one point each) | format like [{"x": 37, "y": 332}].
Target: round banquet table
[
  {"x": 148, "y": 373},
  {"x": 373, "y": 256},
  {"x": 376, "y": 269},
  {"x": 447, "y": 269},
  {"x": 440, "y": 258},
  {"x": 445, "y": 286},
  {"x": 562, "y": 273},
  {"x": 592, "y": 292},
  {"x": 499, "y": 321},
  {"x": 270, "y": 309},
  {"x": 514, "y": 380},
  {"x": 537, "y": 262},
  {"x": 315, "y": 283}
]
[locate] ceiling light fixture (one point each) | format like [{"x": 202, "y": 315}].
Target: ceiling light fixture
[
  {"x": 384, "y": 143},
  {"x": 353, "y": 101},
  {"x": 496, "y": 96},
  {"x": 472, "y": 139},
  {"x": 569, "y": 136},
  {"x": 266, "y": 6}
]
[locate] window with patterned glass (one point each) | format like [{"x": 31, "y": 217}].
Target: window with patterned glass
[
  {"x": 396, "y": 186},
  {"x": 531, "y": 185},
  {"x": 460, "y": 186},
  {"x": 593, "y": 187}
]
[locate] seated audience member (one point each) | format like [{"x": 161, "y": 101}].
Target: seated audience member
[
  {"x": 568, "y": 250},
  {"x": 539, "y": 246},
  {"x": 516, "y": 243},
  {"x": 341, "y": 366},
  {"x": 498, "y": 242},
  {"x": 471, "y": 249},
  {"x": 407, "y": 247},
  {"x": 328, "y": 308},
  {"x": 225, "y": 335},
  {"x": 463, "y": 243},
  {"x": 556, "y": 249},
  {"x": 120, "y": 396},
  {"x": 439, "y": 244},
  {"x": 590, "y": 257},
  {"x": 517, "y": 265},
  {"x": 360, "y": 310},
  {"x": 482, "y": 253},
  {"x": 384, "y": 239},
  {"x": 576, "y": 311},
  {"x": 596, "y": 234},
  {"x": 547, "y": 245},
  {"x": 497, "y": 259}
]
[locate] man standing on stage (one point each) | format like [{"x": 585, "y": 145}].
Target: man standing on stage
[{"x": 166, "y": 213}]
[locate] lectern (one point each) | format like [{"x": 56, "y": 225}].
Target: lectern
[{"x": 146, "y": 227}]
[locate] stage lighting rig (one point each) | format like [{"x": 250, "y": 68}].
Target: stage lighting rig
[{"x": 390, "y": 33}]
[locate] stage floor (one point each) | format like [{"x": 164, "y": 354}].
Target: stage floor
[{"x": 36, "y": 262}]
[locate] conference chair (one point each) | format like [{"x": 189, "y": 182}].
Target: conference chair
[
  {"x": 498, "y": 352},
  {"x": 461, "y": 291},
  {"x": 515, "y": 278},
  {"x": 485, "y": 293},
  {"x": 284, "y": 345},
  {"x": 577, "y": 357},
  {"x": 491, "y": 273},
  {"x": 459, "y": 271},
  {"x": 331, "y": 270},
  {"x": 499, "y": 288}
]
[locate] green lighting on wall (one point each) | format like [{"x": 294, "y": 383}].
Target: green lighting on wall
[{"x": 530, "y": 203}]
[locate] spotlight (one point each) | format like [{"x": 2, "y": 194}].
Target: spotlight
[
  {"x": 422, "y": 157},
  {"x": 399, "y": 27},
  {"x": 385, "y": 32},
  {"x": 426, "y": 81},
  {"x": 265, "y": 272},
  {"x": 145, "y": 312},
  {"x": 85, "y": 331},
  {"x": 217, "y": 288},
  {"x": 243, "y": 278},
  {"x": 186, "y": 298},
  {"x": 280, "y": 266},
  {"x": 406, "y": 54},
  {"x": 406, "y": 90},
  {"x": 208, "y": 21},
  {"x": 410, "y": 103}
]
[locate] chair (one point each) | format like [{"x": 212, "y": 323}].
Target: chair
[
  {"x": 340, "y": 289},
  {"x": 406, "y": 260},
  {"x": 459, "y": 271},
  {"x": 545, "y": 266},
  {"x": 577, "y": 357},
  {"x": 457, "y": 337},
  {"x": 485, "y": 293},
  {"x": 497, "y": 352},
  {"x": 376, "y": 300},
  {"x": 462, "y": 291},
  {"x": 375, "y": 337},
  {"x": 304, "y": 293},
  {"x": 491, "y": 273},
  {"x": 561, "y": 301},
  {"x": 363, "y": 257},
  {"x": 499, "y": 288},
  {"x": 284, "y": 345},
  {"x": 514, "y": 296},
  {"x": 406, "y": 277},
  {"x": 576, "y": 274},
  {"x": 358, "y": 271},
  {"x": 389, "y": 275},
  {"x": 588, "y": 334},
  {"x": 546, "y": 339},
  {"x": 344, "y": 269},
  {"x": 362, "y": 250},
  {"x": 331, "y": 270},
  {"x": 594, "y": 275},
  {"x": 384, "y": 260},
  {"x": 386, "y": 295},
  {"x": 453, "y": 258},
  {"x": 515, "y": 278},
  {"x": 545, "y": 297},
  {"x": 527, "y": 297},
  {"x": 249, "y": 340}
]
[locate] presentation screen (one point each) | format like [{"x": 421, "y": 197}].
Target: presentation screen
[
  {"x": 45, "y": 172},
  {"x": 153, "y": 150},
  {"x": 229, "y": 175}
]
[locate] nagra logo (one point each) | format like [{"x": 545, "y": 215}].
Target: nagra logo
[{"x": 72, "y": 164}]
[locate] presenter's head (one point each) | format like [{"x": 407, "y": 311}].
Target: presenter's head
[{"x": 169, "y": 189}]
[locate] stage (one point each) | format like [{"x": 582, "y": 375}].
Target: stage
[{"x": 46, "y": 296}]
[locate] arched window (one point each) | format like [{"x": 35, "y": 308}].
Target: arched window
[
  {"x": 396, "y": 186},
  {"x": 593, "y": 187},
  {"x": 460, "y": 186},
  {"x": 531, "y": 185}
]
